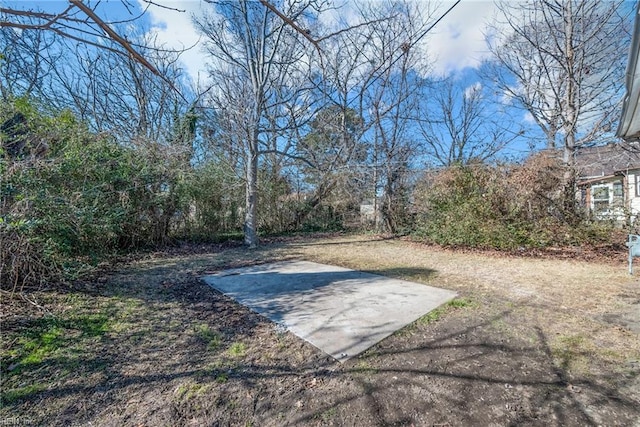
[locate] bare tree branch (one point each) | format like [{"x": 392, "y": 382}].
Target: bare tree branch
[
  {"x": 164, "y": 6},
  {"x": 290, "y": 22},
  {"x": 115, "y": 36}
]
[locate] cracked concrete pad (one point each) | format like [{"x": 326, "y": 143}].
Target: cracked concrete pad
[{"x": 342, "y": 312}]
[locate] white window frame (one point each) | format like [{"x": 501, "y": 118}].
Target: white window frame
[{"x": 599, "y": 202}]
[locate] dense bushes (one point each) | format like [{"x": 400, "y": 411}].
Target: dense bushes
[
  {"x": 80, "y": 198},
  {"x": 214, "y": 203},
  {"x": 504, "y": 207},
  {"x": 69, "y": 197}
]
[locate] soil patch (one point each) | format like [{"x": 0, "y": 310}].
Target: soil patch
[{"x": 529, "y": 342}]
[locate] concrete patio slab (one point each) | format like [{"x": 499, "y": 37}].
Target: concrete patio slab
[{"x": 342, "y": 312}]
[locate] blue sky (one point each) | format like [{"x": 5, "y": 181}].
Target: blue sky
[
  {"x": 456, "y": 45},
  {"x": 457, "y": 42}
]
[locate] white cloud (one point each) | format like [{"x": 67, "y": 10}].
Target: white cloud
[
  {"x": 506, "y": 97},
  {"x": 175, "y": 30},
  {"x": 342, "y": 12},
  {"x": 473, "y": 89},
  {"x": 528, "y": 118},
  {"x": 455, "y": 43},
  {"x": 458, "y": 40}
]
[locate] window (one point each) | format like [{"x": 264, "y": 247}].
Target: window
[
  {"x": 600, "y": 195},
  {"x": 638, "y": 184},
  {"x": 618, "y": 194},
  {"x": 618, "y": 190}
]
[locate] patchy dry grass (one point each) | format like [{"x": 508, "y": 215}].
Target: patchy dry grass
[{"x": 529, "y": 342}]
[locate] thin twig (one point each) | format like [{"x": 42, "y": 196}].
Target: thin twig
[
  {"x": 24, "y": 297},
  {"x": 164, "y": 6},
  {"x": 115, "y": 36}
]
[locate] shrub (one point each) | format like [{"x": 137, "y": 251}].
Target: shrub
[
  {"x": 83, "y": 197},
  {"x": 214, "y": 202},
  {"x": 503, "y": 207}
]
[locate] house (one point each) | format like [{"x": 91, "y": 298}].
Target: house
[
  {"x": 609, "y": 180},
  {"x": 609, "y": 176}
]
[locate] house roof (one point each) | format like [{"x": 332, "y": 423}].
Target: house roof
[
  {"x": 606, "y": 160},
  {"x": 629, "y": 128}
]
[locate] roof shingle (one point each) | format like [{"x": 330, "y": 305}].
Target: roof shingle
[{"x": 606, "y": 160}]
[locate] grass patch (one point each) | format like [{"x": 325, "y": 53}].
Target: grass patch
[
  {"x": 191, "y": 390},
  {"x": 43, "y": 351},
  {"x": 212, "y": 338},
  {"x": 19, "y": 393},
  {"x": 571, "y": 353},
  {"x": 328, "y": 414},
  {"x": 237, "y": 349},
  {"x": 45, "y": 338},
  {"x": 37, "y": 346},
  {"x": 462, "y": 303},
  {"x": 364, "y": 366},
  {"x": 435, "y": 315},
  {"x": 90, "y": 325},
  {"x": 217, "y": 371}
]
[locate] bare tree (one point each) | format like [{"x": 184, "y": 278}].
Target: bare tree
[
  {"x": 566, "y": 63},
  {"x": 565, "y": 57},
  {"x": 330, "y": 150},
  {"x": 122, "y": 97},
  {"x": 392, "y": 103},
  {"x": 79, "y": 21},
  {"x": 254, "y": 57},
  {"x": 273, "y": 85},
  {"x": 26, "y": 62},
  {"x": 110, "y": 92},
  {"x": 459, "y": 128}
]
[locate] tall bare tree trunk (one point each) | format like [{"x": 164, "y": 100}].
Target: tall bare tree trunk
[
  {"x": 251, "y": 203},
  {"x": 254, "y": 56},
  {"x": 571, "y": 115}
]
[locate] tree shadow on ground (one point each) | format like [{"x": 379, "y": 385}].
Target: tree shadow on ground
[
  {"x": 460, "y": 373},
  {"x": 157, "y": 368},
  {"x": 470, "y": 376},
  {"x": 293, "y": 241}
]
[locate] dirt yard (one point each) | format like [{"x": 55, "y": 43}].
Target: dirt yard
[{"x": 530, "y": 341}]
